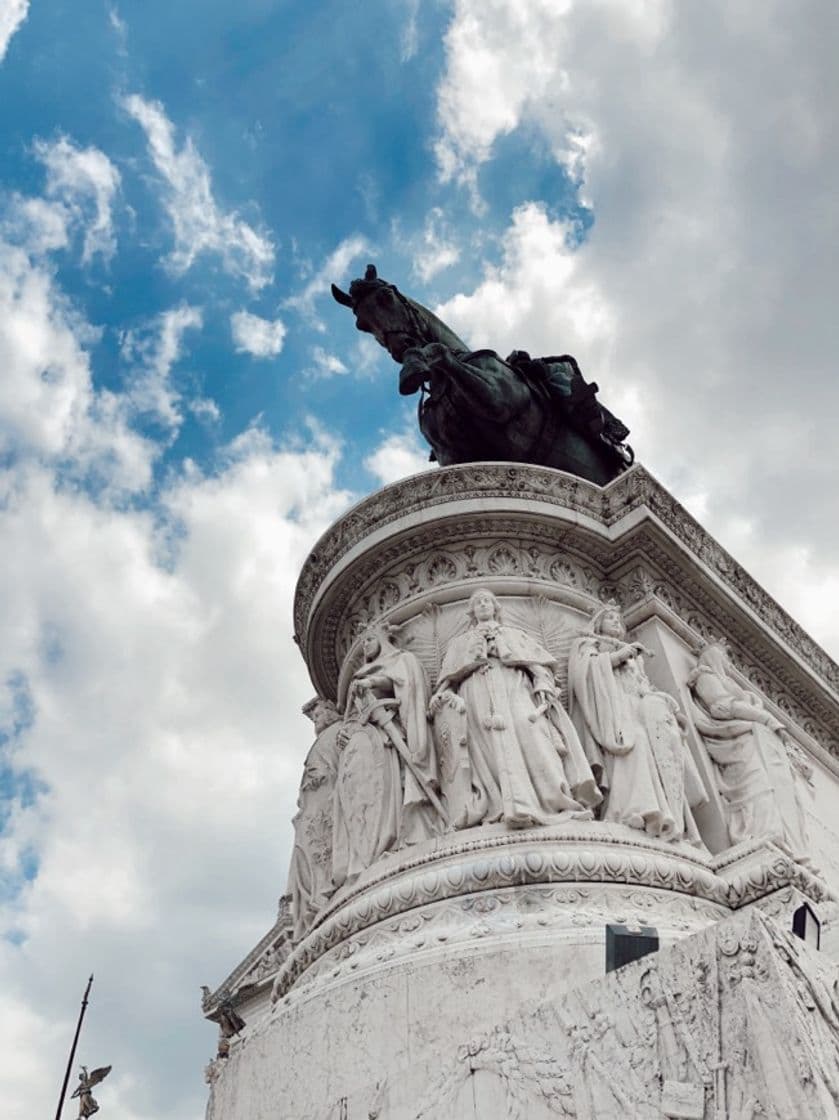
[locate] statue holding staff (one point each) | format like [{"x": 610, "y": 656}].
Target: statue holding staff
[{"x": 386, "y": 785}]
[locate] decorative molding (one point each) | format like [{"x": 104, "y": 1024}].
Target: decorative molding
[
  {"x": 633, "y": 490},
  {"x": 576, "y": 853},
  {"x": 510, "y": 912},
  {"x": 570, "y": 540},
  {"x": 258, "y": 967}
]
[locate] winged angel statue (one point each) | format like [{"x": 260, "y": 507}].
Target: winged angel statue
[{"x": 84, "y": 1090}]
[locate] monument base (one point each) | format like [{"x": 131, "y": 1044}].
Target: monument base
[
  {"x": 738, "y": 1020},
  {"x": 464, "y": 975}
]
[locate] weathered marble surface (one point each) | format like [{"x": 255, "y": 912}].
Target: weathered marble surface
[
  {"x": 632, "y": 733},
  {"x": 310, "y": 876},
  {"x": 758, "y": 775},
  {"x": 485, "y": 914},
  {"x": 740, "y": 1020}
]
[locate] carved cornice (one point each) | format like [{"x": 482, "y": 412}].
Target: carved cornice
[
  {"x": 574, "y": 853},
  {"x": 401, "y": 546},
  {"x": 257, "y": 968},
  {"x": 649, "y": 574},
  {"x": 424, "y": 492},
  {"x": 517, "y": 912},
  {"x": 634, "y": 489}
]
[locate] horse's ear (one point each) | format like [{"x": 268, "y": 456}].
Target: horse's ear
[{"x": 341, "y": 297}]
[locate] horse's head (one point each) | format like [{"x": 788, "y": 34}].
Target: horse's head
[
  {"x": 380, "y": 309},
  {"x": 396, "y": 322}
]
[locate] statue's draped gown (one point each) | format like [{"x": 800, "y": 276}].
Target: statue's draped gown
[
  {"x": 633, "y": 741},
  {"x": 310, "y": 872},
  {"x": 519, "y": 774},
  {"x": 754, "y": 775},
  {"x": 379, "y": 804}
]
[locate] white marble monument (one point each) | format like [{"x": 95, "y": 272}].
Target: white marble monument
[{"x": 549, "y": 714}]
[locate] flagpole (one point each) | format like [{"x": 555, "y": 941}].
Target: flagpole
[{"x": 73, "y": 1049}]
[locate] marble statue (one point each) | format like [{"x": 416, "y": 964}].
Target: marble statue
[
  {"x": 631, "y": 733},
  {"x": 310, "y": 873},
  {"x": 385, "y": 790},
  {"x": 749, "y": 748},
  {"x": 474, "y": 406},
  {"x": 525, "y": 759},
  {"x": 87, "y": 1102},
  {"x": 230, "y": 1023}
]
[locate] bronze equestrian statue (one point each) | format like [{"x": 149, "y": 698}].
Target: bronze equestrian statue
[{"x": 474, "y": 406}]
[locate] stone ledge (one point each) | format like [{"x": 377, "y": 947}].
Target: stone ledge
[{"x": 575, "y": 852}]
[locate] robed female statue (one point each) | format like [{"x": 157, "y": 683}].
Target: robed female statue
[
  {"x": 631, "y": 733},
  {"x": 748, "y": 746},
  {"x": 387, "y": 773},
  {"x": 525, "y": 760}
]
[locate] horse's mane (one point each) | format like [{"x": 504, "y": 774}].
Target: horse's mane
[{"x": 435, "y": 329}]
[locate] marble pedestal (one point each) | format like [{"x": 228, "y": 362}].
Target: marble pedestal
[{"x": 468, "y": 972}]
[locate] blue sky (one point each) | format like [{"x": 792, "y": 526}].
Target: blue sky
[
  {"x": 183, "y": 408},
  {"x": 315, "y": 131}
]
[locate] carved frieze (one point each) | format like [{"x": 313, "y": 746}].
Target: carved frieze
[
  {"x": 657, "y": 579},
  {"x": 483, "y": 860},
  {"x": 551, "y": 535},
  {"x": 538, "y": 910},
  {"x": 607, "y": 506}
]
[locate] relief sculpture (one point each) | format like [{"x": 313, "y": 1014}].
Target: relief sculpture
[
  {"x": 310, "y": 873},
  {"x": 494, "y": 744},
  {"x": 749, "y": 748},
  {"x": 385, "y": 791},
  {"x": 632, "y": 734},
  {"x": 511, "y": 753}
]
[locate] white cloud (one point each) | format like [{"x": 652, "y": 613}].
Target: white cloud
[
  {"x": 433, "y": 250},
  {"x": 205, "y": 408},
  {"x": 333, "y": 271},
  {"x": 253, "y": 335},
  {"x": 127, "y": 629},
  {"x": 39, "y": 225},
  {"x": 165, "y": 690},
  {"x": 702, "y": 299},
  {"x": 397, "y": 456},
  {"x": 199, "y": 224},
  {"x": 12, "y": 15},
  {"x": 119, "y": 28},
  {"x": 50, "y": 410},
  {"x": 325, "y": 364},
  {"x": 79, "y": 178},
  {"x": 410, "y": 30},
  {"x": 154, "y": 352}
]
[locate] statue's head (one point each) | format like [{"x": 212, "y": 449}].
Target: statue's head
[
  {"x": 608, "y": 621},
  {"x": 381, "y": 310},
  {"x": 376, "y": 641},
  {"x": 483, "y": 606},
  {"x": 321, "y": 712},
  {"x": 714, "y": 656}
]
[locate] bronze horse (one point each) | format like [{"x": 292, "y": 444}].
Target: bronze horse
[{"x": 474, "y": 406}]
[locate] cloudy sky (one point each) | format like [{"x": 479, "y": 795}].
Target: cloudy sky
[{"x": 650, "y": 185}]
